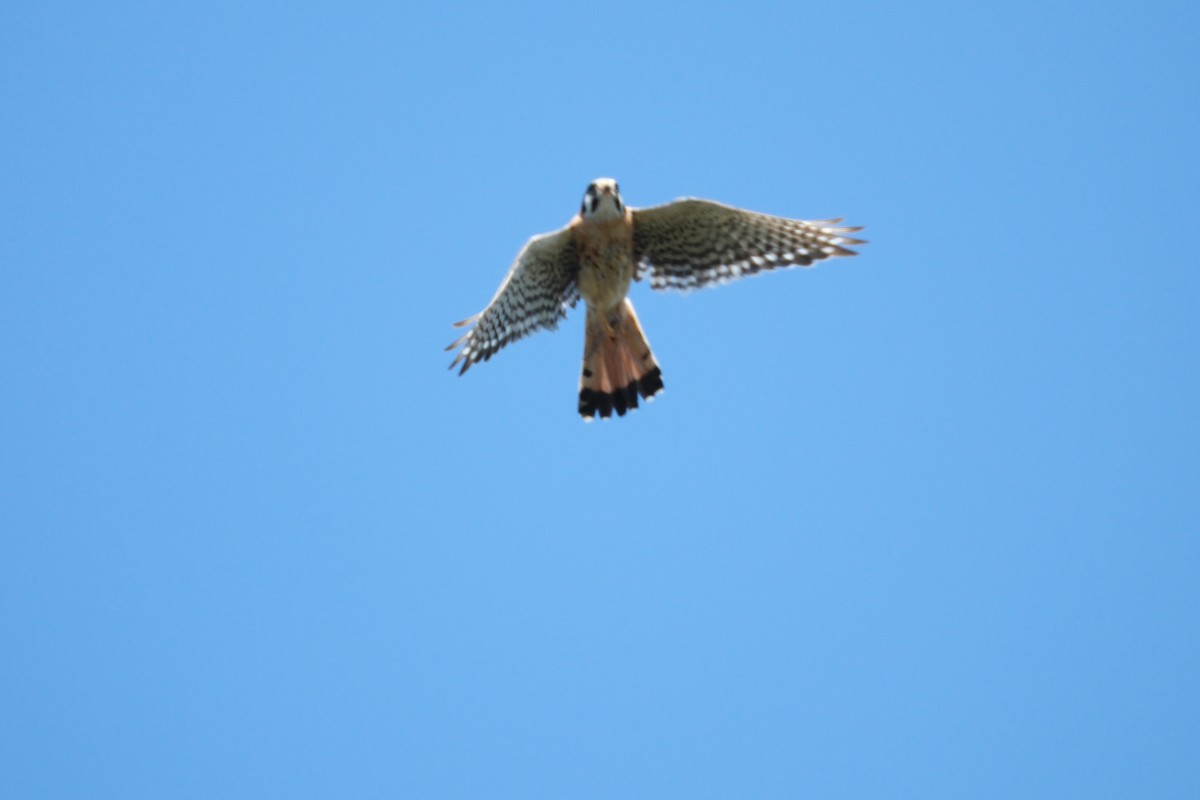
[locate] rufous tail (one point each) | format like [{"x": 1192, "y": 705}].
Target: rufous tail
[{"x": 618, "y": 366}]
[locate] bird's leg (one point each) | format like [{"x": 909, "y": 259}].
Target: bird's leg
[
  {"x": 610, "y": 321},
  {"x": 605, "y": 326}
]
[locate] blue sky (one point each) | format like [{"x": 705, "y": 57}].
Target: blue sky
[{"x": 921, "y": 523}]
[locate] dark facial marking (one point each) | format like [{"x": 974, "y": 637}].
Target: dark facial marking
[{"x": 589, "y": 200}]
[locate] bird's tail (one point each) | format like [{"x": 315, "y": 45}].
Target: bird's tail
[{"x": 618, "y": 366}]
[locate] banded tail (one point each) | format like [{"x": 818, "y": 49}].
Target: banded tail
[{"x": 618, "y": 366}]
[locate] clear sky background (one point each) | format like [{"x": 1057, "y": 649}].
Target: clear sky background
[{"x": 922, "y": 523}]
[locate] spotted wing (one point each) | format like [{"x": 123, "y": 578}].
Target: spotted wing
[
  {"x": 539, "y": 288},
  {"x": 692, "y": 243}
]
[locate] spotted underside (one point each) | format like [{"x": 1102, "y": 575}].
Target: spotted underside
[{"x": 690, "y": 243}]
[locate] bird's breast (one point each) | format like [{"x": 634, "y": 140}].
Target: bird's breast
[{"x": 606, "y": 264}]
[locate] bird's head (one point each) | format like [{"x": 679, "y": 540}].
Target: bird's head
[{"x": 602, "y": 201}]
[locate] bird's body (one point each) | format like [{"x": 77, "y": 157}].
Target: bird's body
[
  {"x": 681, "y": 245},
  {"x": 606, "y": 263}
]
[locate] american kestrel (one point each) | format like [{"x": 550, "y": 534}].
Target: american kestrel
[{"x": 682, "y": 245}]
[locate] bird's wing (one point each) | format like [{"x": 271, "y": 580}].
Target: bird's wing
[
  {"x": 691, "y": 243},
  {"x": 539, "y": 288}
]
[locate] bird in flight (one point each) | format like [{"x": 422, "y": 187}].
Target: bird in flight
[{"x": 685, "y": 244}]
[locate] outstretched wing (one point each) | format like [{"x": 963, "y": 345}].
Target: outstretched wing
[
  {"x": 692, "y": 243},
  {"x": 539, "y": 288}
]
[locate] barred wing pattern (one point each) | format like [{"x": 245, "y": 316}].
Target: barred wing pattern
[
  {"x": 692, "y": 243},
  {"x": 539, "y": 288}
]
